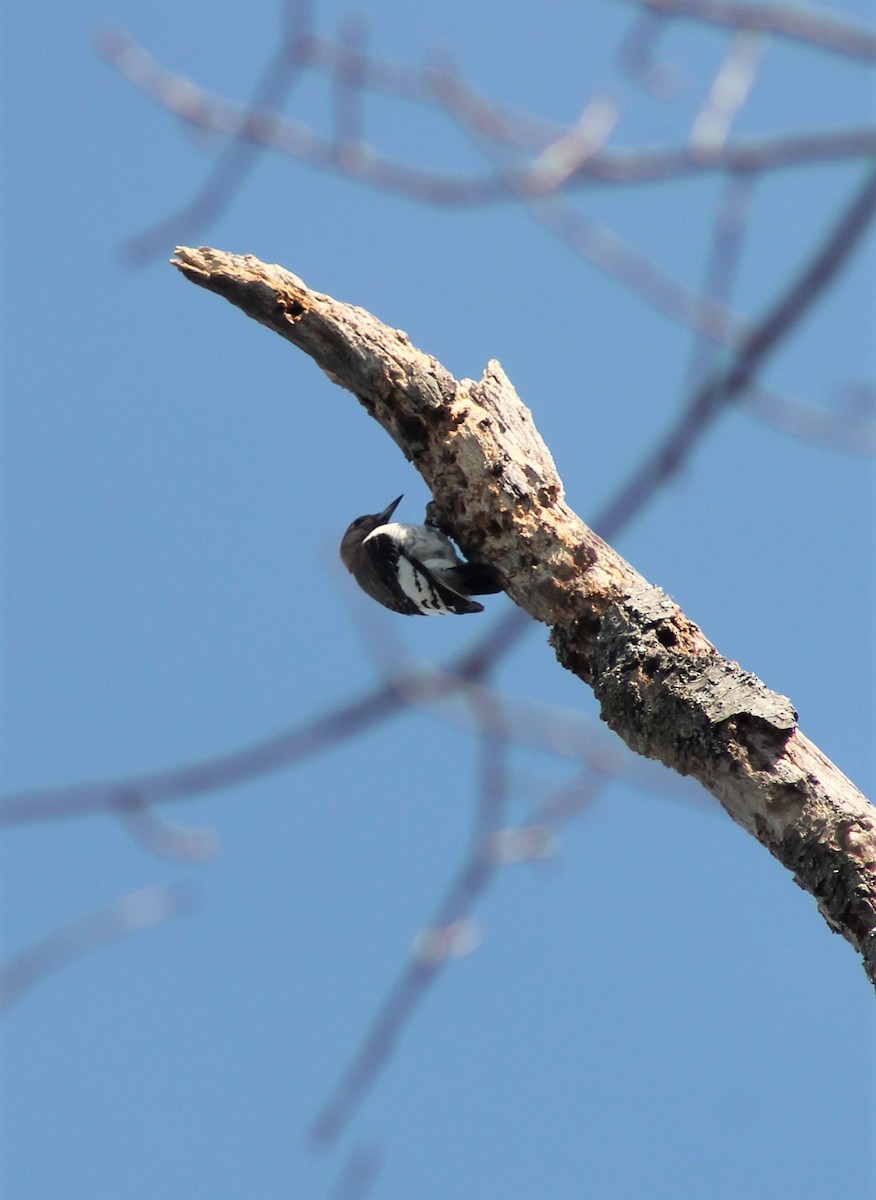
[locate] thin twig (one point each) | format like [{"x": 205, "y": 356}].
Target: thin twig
[
  {"x": 361, "y": 1168},
  {"x": 803, "y": 23},
  {"x": 270, "y": 129},
  {"x": 239, "y": 157},
  {"x": 730, "y": 383},
  {"x": 724, "y": 258},
  {"x": 128, "y": 914}
]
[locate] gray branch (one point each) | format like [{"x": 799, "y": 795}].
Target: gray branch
[{"x": 662, "y": 686}]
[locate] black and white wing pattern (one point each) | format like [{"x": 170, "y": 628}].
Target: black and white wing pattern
[{"x": 416, "y": 590}]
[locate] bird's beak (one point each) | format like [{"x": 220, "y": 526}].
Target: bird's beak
[{"x": 387, "y": 512}]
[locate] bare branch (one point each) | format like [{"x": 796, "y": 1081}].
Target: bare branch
[
  {"x": 662, "y": 686},
  {"x": 725, "y": 253},
  {"x": 802, "y": 23},
  {"x": 729, "y": 384},
  {"x": 404, "y": 997},
  {"x": 636, "y": 56},
  {"x": 349, "y": 84},
  {"x": 729, "y": 91},
  {"x": 852, "y": 432},
  {"x": 361, "y": 1168},
  {"x": 177, "y": 842},
  {"x": 448, "y": 694},
  {"x": 540, "y": 194},
  {"x": 268, "y": 128},
  {"x": 282, "y": 72},
  {"x": 209, "y": 774},
  {"x": 128, "y": 914},
  {"x": 449, "y": 933}
]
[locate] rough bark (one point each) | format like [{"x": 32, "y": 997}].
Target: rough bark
[{"x": 662, "y": 686}]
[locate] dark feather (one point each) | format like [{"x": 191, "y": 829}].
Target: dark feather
[
  {"x": 477, "y": 578},
  {"x": 388, "y": 564}
]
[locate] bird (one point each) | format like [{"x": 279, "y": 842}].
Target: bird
[{"x": 414, "y": 569}]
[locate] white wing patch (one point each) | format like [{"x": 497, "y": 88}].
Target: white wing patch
[
  {"x": 418, "y": 586},
  {"x": 400, "y": 579}
]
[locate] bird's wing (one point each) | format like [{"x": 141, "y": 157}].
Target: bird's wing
[{"x": 413, "y": 587}]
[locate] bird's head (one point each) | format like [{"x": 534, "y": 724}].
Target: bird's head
[{"x": 358, "y": 530}]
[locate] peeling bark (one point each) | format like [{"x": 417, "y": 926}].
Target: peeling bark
[{"x": 662, "y": 686}]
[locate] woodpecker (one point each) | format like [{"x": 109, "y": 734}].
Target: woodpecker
[{"x": 414, "y": 569}]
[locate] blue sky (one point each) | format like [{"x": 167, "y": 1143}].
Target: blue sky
[{"x": 656, "y": 1010}]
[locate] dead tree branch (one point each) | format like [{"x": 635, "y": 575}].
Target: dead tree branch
[
  {"x": 537, "y": 163},
  {"x": 662, "y": 686}
]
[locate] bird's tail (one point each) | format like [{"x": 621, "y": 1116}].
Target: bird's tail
[{"x": 476, "y": 579}]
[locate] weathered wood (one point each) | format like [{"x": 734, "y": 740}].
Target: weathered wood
[{"x": 662, "y": 686}]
